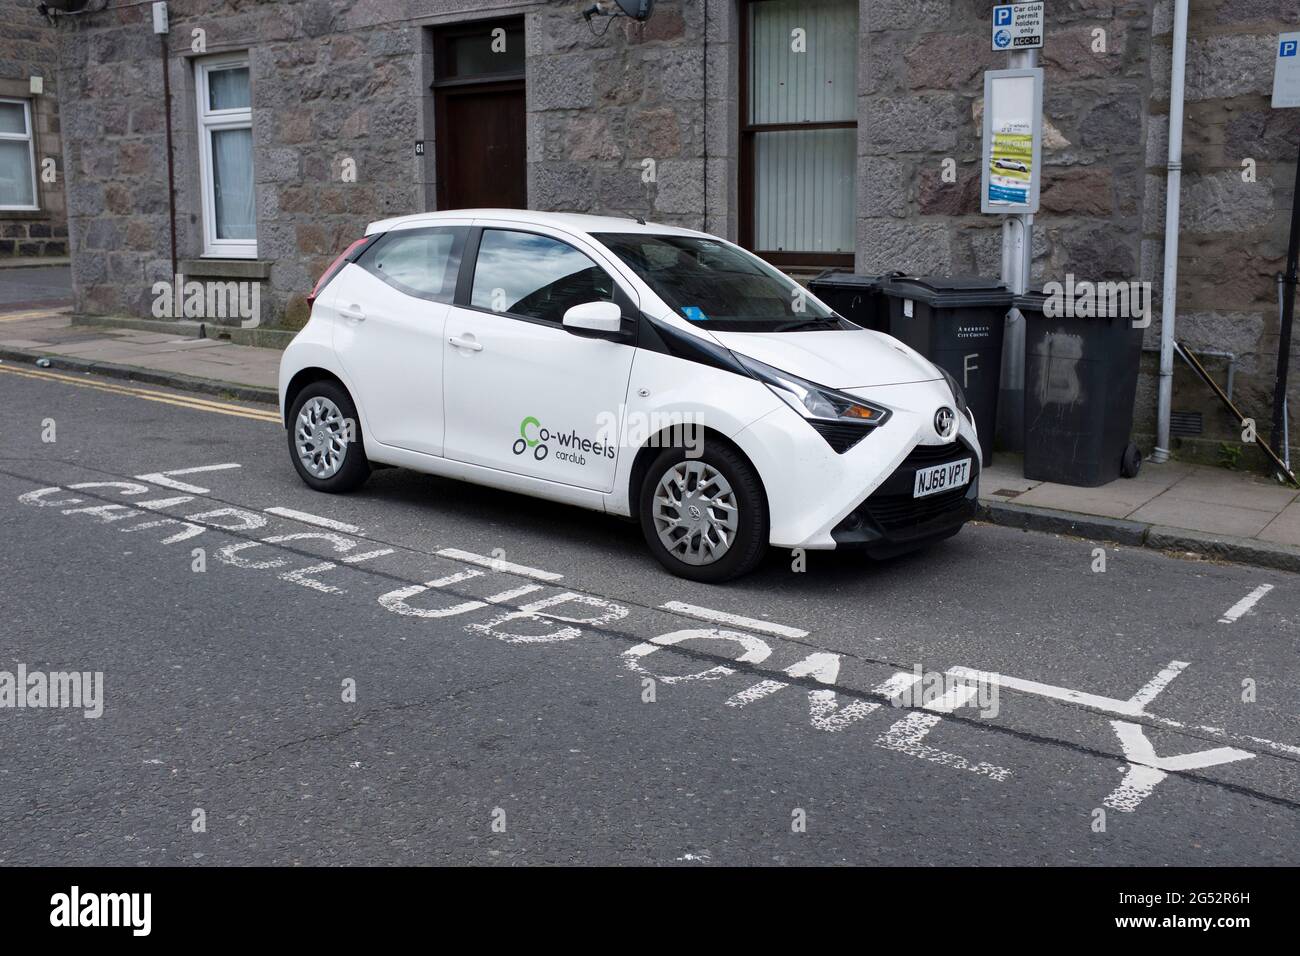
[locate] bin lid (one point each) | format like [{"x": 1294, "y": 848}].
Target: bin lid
[
  {"x": 849, "y": 281},
  {"x": 948, "y": 292},
  {"x": 1031, "y": 299}
]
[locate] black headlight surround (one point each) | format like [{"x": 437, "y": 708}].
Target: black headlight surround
[
  {"x": 840, "y": 433},
  {"x": 958, "y": 393}
]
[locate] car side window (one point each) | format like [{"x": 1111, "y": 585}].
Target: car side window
[
  {"x": 419, "y": 262},
  {"x": 536, "y": 277}
]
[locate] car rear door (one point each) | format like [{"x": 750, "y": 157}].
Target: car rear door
[
  {"x": 521, "y": 393},
  {"x": 392, "y": 306}
]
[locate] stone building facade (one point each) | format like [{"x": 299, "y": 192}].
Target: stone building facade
[
  {"x": 356, "y": 110},
  {"x": 33, "y": 218}
]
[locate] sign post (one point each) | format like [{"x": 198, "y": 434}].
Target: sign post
[
  {"x": 1286, "y": 95},
  {"x": 1016, "y": 29}
]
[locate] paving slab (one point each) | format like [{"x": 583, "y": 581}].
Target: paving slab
[
  {"x": 1119, "y": 499},
  {"x": 1194, "y": 515},
  {"x": 1285, "y": 528}
]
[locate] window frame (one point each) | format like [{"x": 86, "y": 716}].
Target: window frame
[
  {"x": 211, "y": 121},
  {"x": 469, "y": 267},
  {"x": 748, "y": 134},
  {"x": 459, "y": 244},
  {"x": 30, "y": 138}
]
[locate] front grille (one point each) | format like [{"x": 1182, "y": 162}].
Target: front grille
[
  {"x": 839, "y": 435},
  {"x": 895, "y": 512},
  {"x": 898, "y": 512},
  {"x": 923, "y": 455}
]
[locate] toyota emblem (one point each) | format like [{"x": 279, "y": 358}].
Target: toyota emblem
[{"x": 944, "y": 419}]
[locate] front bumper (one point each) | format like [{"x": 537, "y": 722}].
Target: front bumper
[
  {"x": 811, "y": 488},
  {"x": 891, "y": 521}
]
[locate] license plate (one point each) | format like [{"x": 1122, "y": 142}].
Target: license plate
[{"x": 931, "y": 481}]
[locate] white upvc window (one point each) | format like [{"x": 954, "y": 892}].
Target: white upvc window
[
  {"x": 225, "y": 115},
  {"x": 17, "y": 155}
]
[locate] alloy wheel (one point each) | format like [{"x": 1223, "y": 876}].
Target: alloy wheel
[{"x": 695, "y": 513}]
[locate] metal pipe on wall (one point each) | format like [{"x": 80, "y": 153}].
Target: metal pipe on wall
[{"x": 1173, "y": 188}]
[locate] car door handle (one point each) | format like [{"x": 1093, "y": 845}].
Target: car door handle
[
  {"x": 353, "y": 313},
  {"x": 466, "y": 344}
]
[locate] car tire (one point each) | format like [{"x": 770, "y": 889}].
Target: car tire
[
  {"x": 699, "y": 475},
  {"x": 339, "y": 463}
]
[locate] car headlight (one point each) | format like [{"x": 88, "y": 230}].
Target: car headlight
[
  {"x": 958, "y": 394},
  {"x": 842, "y": 419}
]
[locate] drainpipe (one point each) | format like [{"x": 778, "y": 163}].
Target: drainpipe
[{"x": 1173, "y": 186}]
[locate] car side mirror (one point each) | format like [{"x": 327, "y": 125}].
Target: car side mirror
[{"x": 602, "y": 317}]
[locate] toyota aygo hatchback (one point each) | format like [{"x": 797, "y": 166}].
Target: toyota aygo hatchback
[{"x": 648, "y": 371}]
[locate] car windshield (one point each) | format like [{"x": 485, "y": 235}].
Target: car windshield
[{"x": 707, "y": 281}]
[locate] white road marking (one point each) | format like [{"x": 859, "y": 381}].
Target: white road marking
[
  {"x": 735, "y": 620},
  {"x": 907, "y": 737},
  {"x": 1155, "y": 685},
  {"x": 1145, "y": 769},
  {"x": 377, "y": 553},
  {"x": 395, "y": 600},
  {"x": 1245, "y": 604},
  {"x": 155, "y": 504},
  {"x": 756, "y": 650},
  {"x": 1133, "y": 707},
  {"x": 308, "y": 518},
  {"x": 161, "y": 477},
  {"x": 537, "y": 613},
  {"x": 824, "y": 710},
  {"x": 497, "y": 564}
]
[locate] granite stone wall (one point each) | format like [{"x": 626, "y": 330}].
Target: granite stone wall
[
  {"x": 1239, "y": 159},
  {"x": 337, "y": 81}
]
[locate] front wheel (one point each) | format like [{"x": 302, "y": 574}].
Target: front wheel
[
  {"x": 325, "y": 439},
  {"x": 704, "y": 518}
]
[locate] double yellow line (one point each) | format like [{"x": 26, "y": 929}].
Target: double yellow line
[{"x": 148, "y": 394}]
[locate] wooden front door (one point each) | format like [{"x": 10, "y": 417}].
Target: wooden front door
[
  {"x": 479, "y": 120},
  {"x": 481, "y": 147}
]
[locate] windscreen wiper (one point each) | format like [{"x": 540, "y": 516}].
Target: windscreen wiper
[{"x": 805, "y": 324}]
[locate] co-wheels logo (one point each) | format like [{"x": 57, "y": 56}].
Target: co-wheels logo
[
  {"x": 570, "y": 446},
  {"x": 77, "y": 909}
]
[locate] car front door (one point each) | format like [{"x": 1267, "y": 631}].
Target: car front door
[
  {"x": 521, "y": 393},
  {"x": 392, "y": 312}
]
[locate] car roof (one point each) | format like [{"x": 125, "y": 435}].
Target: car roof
[{"x": 572, "y": 222}]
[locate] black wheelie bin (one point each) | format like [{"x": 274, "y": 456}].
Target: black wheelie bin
[
  {"x": 957, "y": 323},
  {"x": 1080, "y": 383},
  {"x": 855, "y": 297}
]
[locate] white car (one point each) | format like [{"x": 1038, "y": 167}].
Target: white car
[{"x": 652, "y": 372}]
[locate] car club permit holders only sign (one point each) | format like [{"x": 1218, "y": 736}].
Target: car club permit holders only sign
[
  {"x": 1013, "y": 140},
  {"x": 1017, "y": 26},
  {"x": 1286, "y": 72}
]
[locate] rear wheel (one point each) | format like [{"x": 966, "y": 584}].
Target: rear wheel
[
  {"x": 704, "y": 518},
  {"x": 1131, "y": 463},
  {"x": 325, "y": 439}
]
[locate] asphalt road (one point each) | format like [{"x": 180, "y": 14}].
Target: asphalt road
[
  {"x": 35, "y": 286},
  {"x": 524, "y": 712}
]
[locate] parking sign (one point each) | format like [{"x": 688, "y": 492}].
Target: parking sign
[
  {"x": 1286, "y": 72},
  {"x": 1018, "y": 26}
]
